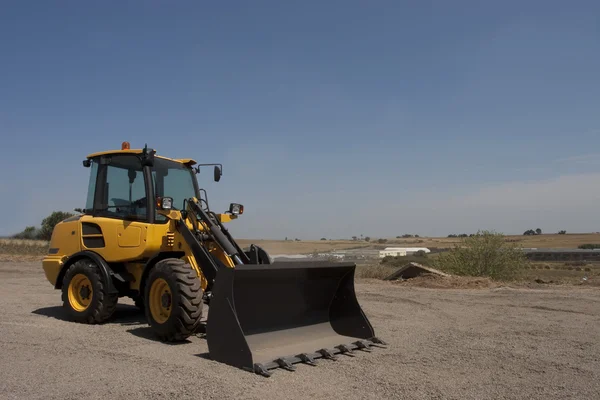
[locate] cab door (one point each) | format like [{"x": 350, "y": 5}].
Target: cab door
[{"x": 117, "y": 227}]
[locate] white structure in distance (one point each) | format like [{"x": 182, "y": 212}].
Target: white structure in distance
[{"x": 401, "y": 251}]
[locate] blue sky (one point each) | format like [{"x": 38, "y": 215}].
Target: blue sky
[{"x": 332, "y": 119}]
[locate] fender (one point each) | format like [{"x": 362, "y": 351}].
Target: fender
[{"x": 105, "y": 270}]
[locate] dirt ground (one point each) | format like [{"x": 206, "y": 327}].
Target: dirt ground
[{"x": 483, "y": 343}]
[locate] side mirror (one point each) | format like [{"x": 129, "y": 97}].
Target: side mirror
[{"x": 217, "y": 173}]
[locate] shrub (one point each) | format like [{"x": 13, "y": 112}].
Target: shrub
[
  {"x": 28, "y": 233},
  {"x": 374, "y": 271},
  {"x": 589, "y": 246},
  {"x": 563, "y": 232},
  {"x": 485, "y": 254},
  {"x": 50, "y": 222}
]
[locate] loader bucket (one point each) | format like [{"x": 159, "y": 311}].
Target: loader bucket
[{"x": 263, "y": 317}]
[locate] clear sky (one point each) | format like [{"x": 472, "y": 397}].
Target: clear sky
[{"x": 332, "y": 118}]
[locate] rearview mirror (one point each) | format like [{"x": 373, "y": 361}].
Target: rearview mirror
[{"x": 217, "y": 173}]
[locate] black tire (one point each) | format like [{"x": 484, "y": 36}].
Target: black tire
[
  {"x": 102, "y": 304},
  {"x": 185, "y": 303}
]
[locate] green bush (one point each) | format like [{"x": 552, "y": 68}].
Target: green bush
[
  {"x": 589, "y": 246},
  {"x": 485, "y": 254}
]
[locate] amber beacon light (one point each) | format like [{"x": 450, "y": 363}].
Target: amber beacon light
[{"x": 125, "y": 146}]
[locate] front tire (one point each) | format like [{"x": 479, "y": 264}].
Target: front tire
[
  {"x": 84, "y": 294},
  {"x": 173, "y": 300}
]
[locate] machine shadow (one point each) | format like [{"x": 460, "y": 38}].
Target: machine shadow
[
  {"x": 145, "y": 332},
  {"x": 124, "y": 315}
]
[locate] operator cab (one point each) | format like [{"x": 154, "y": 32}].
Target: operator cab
[{"x": 133, "y": 185}]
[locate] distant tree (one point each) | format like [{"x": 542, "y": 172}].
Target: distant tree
[
  {"x": 463, "y": 235},
  {"x": 563, "y": 232},
  {"x": 367, "y": 239},
  {"x": 381, "y": 240},
  {"x": 354, "y": 238},
  {"x": 323, "y": 238},
  {"x": 286, "y": 239},
  {"x": 50, "y": 222},
  {"x": 538, "y": 231},
  {"x": 417, "y": 236},
  {"x": 28, "y": 233},
  {"x": 529, "y": 232}
]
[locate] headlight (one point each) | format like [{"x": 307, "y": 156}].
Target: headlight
[
  {"x": 236, "y": 209},
  {"x": 165, "y": 203}
]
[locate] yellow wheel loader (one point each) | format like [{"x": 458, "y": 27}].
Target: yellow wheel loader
[{"x": 147, "y": 233}]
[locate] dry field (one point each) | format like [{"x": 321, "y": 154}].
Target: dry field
[
  {"x": 477, "y": 340},
  {"x": 538, "y": 241},
  {"x": 33, "y": 247}
]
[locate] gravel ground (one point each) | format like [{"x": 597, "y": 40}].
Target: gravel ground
[{"x": 443, "y": 344}]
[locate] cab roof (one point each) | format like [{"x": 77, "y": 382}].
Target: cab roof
[{"x": 185, "y": 161}]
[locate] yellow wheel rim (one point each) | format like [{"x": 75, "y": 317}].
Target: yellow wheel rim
[
  {"x": 80, "y": 292},
  {"x": 160, "y": 300}
]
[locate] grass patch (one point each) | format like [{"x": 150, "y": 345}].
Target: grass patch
[
  {"x": 23, "y": 247},
  {"x": 374, "y": 271}
]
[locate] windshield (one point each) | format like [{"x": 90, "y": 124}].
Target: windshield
[{"x": 174, "y": 180}]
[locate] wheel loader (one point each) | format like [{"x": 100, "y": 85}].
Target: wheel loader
[{"x": 147, "y": 233}]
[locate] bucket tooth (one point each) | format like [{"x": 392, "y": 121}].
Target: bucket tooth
[
  {"x": 378, "y": 341},
  {"x": 285, "y": 364},
  {"x": 344, "y": 349},
  {"x": 261, "y": 370},
  {"x": 307, "y": 359},
  {"x": 362, "y": 345},
  {"x": 328, "y": 354}
]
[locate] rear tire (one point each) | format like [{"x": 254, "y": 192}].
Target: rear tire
[
  {"x": 84, "y": 294},
  {"x": 173, "y": 300}
]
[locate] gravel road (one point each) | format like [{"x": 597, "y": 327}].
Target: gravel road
[{"x": 497, "y": 343}]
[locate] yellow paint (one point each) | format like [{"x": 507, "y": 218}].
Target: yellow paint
[
  {"x": 80, "y": 292},
  {"x": 129, "y": 236},
  {"x": 160, "y": 300},
  {"x": 226, "y": 217},
  {"x": 52, "y": 265},
  {"x": 65, "y": 238},
  {"x": 135, "y": 269},
  {"x": 123, "y": 240},
  {"x": 186, "y": 161}
]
